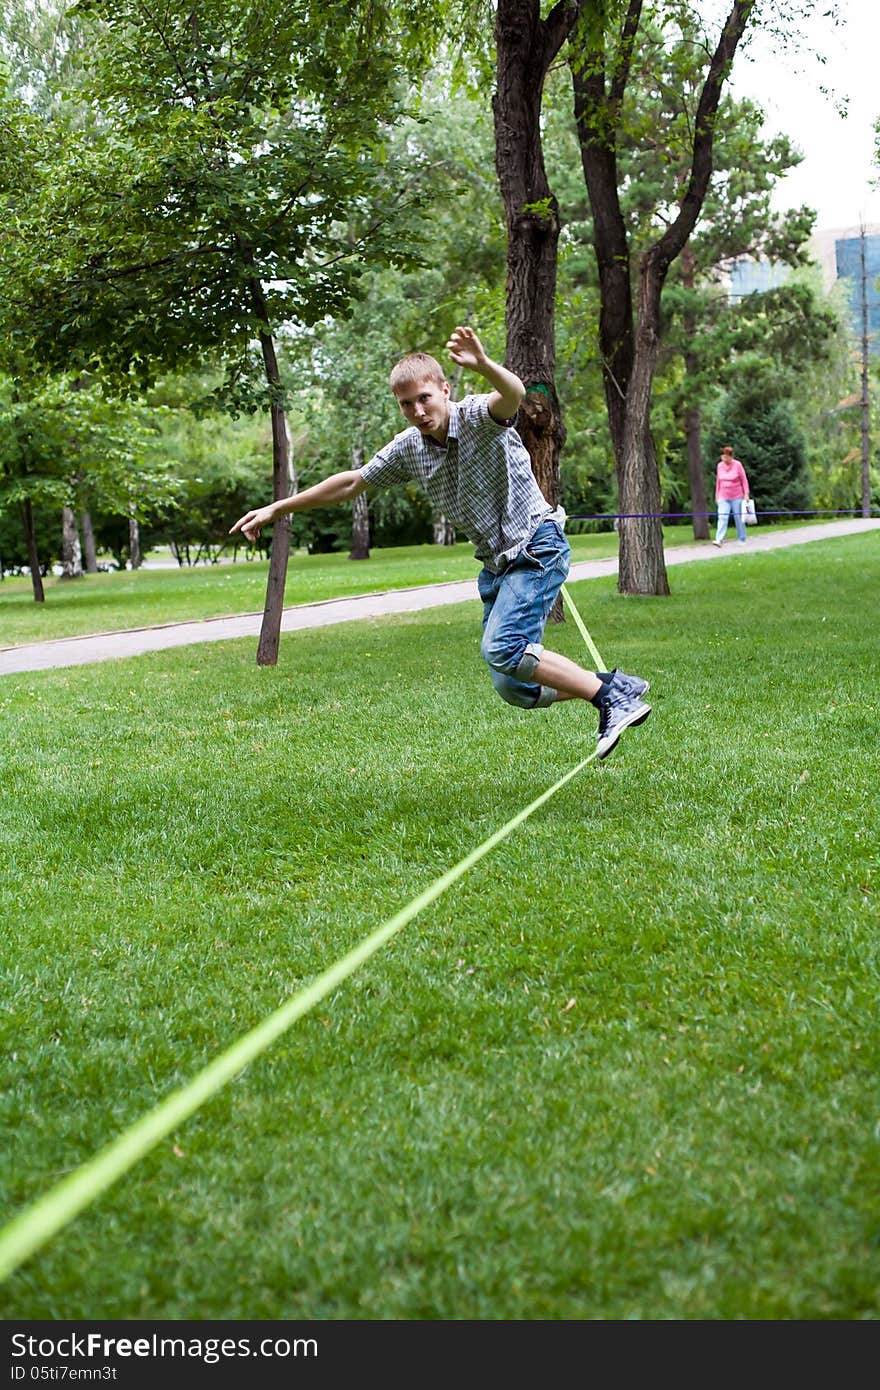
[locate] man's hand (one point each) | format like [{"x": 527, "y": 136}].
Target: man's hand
[
  {"x": 465, "y": 348},
  {"x": 252, "y": 523}
]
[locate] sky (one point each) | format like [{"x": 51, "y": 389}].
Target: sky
[{"x": 836, "y": 172}]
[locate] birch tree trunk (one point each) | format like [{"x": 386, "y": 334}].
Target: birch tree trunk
[
  {"x": 135, "y": 557},
  {"x": 71, "y": 551},
  {"x": 442, "y": 529},
  {"x": 360, "y": 513}
]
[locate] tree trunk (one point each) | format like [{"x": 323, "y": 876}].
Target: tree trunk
[
  {"x": 442, "y": 529},
  {"x": 526, "y": 45},
  {"x": 641, "y": 564},
  {"x": 610, "y": 241},
  {"x": 360, "y": 514},
  {"x": 693, "y": 420},
  {"x": 71, "y": 551},
  {"x": 627, "y": 404},
  {"x": 88, "y": 535},
  {"x": 540, "y": 425},
  {"x": 134, "y": 544},
  {"x": 270, "y": 629},
  {"x": 693, "y": 429},
  {"x": 30, "y": 540},
  {"x": 283, "y": 485}
]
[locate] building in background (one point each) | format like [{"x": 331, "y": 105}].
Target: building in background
[
  {"x": 858, "y": 262},
  {"x": 838, "y": 251},
  {"x": 748, "y": 276}
]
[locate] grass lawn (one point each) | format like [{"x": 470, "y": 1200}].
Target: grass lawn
[
  {"x": 626, "y": 1068},
  {"x": 129, "y": 599}
]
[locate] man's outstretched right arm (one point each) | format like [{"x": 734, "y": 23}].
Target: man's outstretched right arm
[{"x": 338, "y": 488}]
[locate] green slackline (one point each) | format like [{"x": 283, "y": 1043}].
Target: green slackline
[
  {"x": 28, "y": 1231},
  {"x": 600, "y": 665}
]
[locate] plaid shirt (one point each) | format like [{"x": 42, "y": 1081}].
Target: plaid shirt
[{"x": 481, "y": 479}]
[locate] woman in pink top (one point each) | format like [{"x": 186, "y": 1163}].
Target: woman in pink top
[{"x": 731, "y": 491}]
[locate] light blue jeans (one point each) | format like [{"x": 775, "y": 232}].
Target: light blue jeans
[
  {"x": 516, "y": 605},
  {"x": 725, "y": 507}
]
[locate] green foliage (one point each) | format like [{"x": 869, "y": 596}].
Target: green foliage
[
  {"x": 43, "y": 45},
  {"x": 218, "y": 460},
  {"x": 13, "y": 550},
  {"x": 65, "y": 443},
  {"x": 340, "y": 398},
  {"x": 155, "y": 165},
  {"x": 834, "y": 402},
  {"x": 232, "y": 187},
  {"x": 766, "y": 437}
]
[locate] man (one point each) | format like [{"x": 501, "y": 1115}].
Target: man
[{"x": 474, "y": 467}]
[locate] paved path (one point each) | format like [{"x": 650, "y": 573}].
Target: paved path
[{"x": 105, "y": 646}]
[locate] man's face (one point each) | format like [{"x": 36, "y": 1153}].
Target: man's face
[{"x": 425, "y": 404}]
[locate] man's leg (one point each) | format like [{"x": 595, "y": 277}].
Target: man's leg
[
  {"x": 618, "y": 705},
  {"x": 516, "y": 607},
  {"x": 570, "y": 681}
]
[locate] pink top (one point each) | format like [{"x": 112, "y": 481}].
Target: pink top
[{"x": 731, "y": 480}]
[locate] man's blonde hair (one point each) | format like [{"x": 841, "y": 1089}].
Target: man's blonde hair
[{"x": 415, "y": 367}]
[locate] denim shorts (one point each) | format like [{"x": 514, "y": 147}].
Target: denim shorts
[{"x": 516, "y": 605}]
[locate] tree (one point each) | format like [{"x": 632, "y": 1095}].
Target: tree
[
  {"x": 74, "y": 450},
  {"x": 794, "y": 342},
  {"x": 15, "y": 554},
  {"x": 342, "y": 404},
  {"x": 766, "y": 436},
  {"x": 789, "y": 329},
  {"x": 215, "y": 458},
  {"x": 736, "y": 220},
  {"x": 700, "y": 329},
  {"x": 526, "y": 45},
  {"x": 604, "y": 70},
  {"x": 233, "y": 185}
]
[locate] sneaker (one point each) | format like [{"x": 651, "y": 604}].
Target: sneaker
[
  {"x": 718, "y": 543},
  {"x": 634, "y": 685},
  {"x": 619, "y": 712}
]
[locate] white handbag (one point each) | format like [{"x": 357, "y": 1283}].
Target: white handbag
[{"x": 750, "y": 516}]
